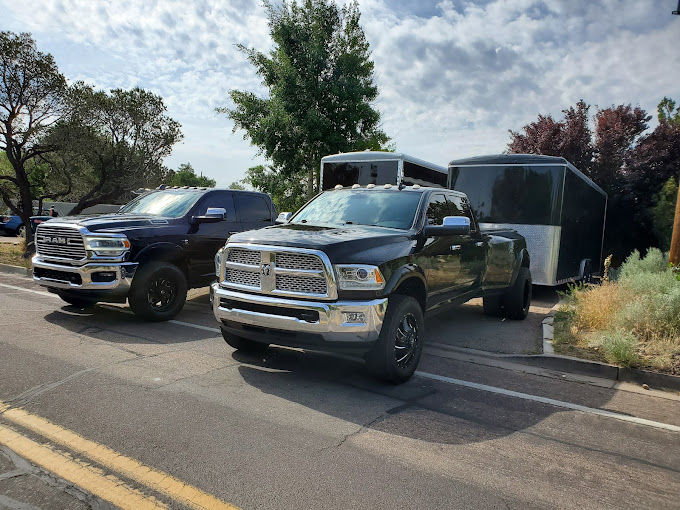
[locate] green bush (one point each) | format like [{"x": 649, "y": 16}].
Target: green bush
[
  {"x": 619, "y": 347},
  {"x": 654, "y": 262}
]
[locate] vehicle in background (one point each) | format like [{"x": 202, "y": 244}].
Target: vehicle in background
[
  {"x": 374, "y": 167},
  {"x": 559, "y": 211},
  {"x": 355, "y": 271},
  {"x": 12, "y": 226},
  {"x": 37, "y": 220},
  {"x": 150, "y": 252}
]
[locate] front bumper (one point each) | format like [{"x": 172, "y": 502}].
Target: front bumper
[
  {"x": 297, "y": 322},
  {"x": 80, "y": 278}
]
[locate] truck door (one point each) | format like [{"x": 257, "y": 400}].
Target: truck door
[
  {"x": 472, "y": 246},
  {"x": 253, "y": 211},
  {"x": 440, "y": 257},
  {"x": 206, "y": 238}
]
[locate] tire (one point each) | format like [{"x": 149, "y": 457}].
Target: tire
[
  {"x": 77, "y": 302},
  {"x": 493, "y": 305},
  {"x": 397, "y": 351},
  {"x": 243, "y": 344},
  {"x": 21, "y": 231},
  {"x": 518, "y": 298},
  {"x": 158, "y": 291}
]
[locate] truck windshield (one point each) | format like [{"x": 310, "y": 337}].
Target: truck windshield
[
  {"x": 382, "y": 208},
  {"x": 170, "y": 203}
]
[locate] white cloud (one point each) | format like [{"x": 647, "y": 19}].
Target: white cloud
[{"x": 454, "y": 75}]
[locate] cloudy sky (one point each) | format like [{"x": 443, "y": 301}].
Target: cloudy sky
[{"x": 454, "y": 75}]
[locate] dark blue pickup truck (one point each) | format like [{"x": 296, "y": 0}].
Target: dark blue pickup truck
[{"x": 151, "y": 252}]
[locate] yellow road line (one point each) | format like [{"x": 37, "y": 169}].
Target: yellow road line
[
  {"x": 157, "y": 480},
  {"x": 79, "y": 473}
]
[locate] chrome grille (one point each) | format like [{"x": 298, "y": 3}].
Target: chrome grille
[
  {"x": 68, "y": 245},
  {"x": 298, "y": 261},
  {"x": 240, "y": 277},
  {"x": 248, "y": 257},
  {"x": 267, "y": 270},
  {"x": 301, "y": 284}
]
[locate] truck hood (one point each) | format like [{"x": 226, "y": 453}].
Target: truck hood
[
  {"x": 347, "y": 244},
  {"x": 114, "y": 222}
]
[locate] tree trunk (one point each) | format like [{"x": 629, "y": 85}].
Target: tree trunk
[{"x": 674, "y": 257}]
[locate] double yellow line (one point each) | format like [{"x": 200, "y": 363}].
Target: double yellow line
[{"x": 105, "y": 486}]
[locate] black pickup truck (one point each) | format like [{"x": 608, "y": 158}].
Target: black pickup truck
[
  {"x": 151, "y": 252},
  {"x": 356, "y": 269}
]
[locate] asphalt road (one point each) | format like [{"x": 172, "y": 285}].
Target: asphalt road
[{"x": 89, "y": 395}]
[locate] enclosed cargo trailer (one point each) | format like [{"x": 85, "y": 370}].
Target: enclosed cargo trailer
[
  {"x": 559, "y": 210},
  {"x": 374, "y": 167}
]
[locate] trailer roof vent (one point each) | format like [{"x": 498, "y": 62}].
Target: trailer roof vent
[
  {"x": 338, "y": 186},
  {"x": 370, "y": 186},
  {"x": 387, "y": 186},
  {"x": 355, "y": 186}
]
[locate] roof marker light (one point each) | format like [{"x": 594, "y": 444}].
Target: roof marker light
[
  {"x": 416, "y": 186},
  {"x": 370, "y": 186},
  {"x": 338, "y": 186},
  {"x": 387, "y": 186},
  {"x": 355, "y": 186}
]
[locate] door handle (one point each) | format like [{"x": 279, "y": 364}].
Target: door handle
[
  {"x": 479, "y": 244},
  {"x": 455, "y": 247}
]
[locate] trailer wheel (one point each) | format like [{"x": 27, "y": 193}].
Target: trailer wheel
[
  {"x": 395, "y": 355},
  {"x": 518, "y": 298},
  {"x": 242, "y": 344},
  {"x": 493, "y": 305}
]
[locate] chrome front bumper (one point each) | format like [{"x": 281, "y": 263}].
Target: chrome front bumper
[
  {"x": 332, "y": 324},
  {"x": 121, "y": 284}
]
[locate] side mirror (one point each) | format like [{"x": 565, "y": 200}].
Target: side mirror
[
  {"x": 212, "y": 215},
  {"x": 452, "y": 226},
  {"x": 284, "y": 217}
]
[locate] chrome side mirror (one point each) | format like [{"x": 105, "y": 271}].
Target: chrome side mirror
[
  {"x": 283, "y": 217},
  {"x": 216, "y": 212}
]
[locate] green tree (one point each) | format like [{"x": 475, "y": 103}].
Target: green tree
[
  {"x": 663, "y": 213},
  {"x": 287, "y": 192},
  {"x": 31, "y": 101},
  {"x": 237, "y": 185},
  {"x": 185, "y": 175},
  {"x": 112, "y": 142},
  {"x": 320, "y": 81},
  {"x": 668, "y": 113}
]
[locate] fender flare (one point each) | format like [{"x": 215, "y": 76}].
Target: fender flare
[
  {"x": 169, "y": 252},
  {"x": 405, "y": 275},
  {"x": 522, "y": 260}
]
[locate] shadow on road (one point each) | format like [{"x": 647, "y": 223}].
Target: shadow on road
[
  {"x": 119, "y": 327},
  {"x": 419, "y": 409}
]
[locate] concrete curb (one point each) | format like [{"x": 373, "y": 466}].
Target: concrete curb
[
  {"x": 6, "y": 268},
  {"x": 554, "y": 361}
]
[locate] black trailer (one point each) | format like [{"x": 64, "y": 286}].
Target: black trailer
[
  {"x": 559, "y": 211},
  {"x": 374, "y": 167}
]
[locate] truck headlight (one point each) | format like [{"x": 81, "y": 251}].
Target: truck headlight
[
  {"x": 359, "y": 277},
  {"x": 107, "y": 246}
]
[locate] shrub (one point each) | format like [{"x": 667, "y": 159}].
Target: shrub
[
  {"x": 633, "y": 321},
  {"x": 620, "y": 347}
]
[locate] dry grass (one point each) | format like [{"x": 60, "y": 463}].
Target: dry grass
[
  {"x": 13, "y": 254},
  {"x": 634, "y": 321}
]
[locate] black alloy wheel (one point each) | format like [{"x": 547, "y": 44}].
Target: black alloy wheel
[
  {"x": 406, "y": 341},
  {"x": 396, "y": 353},
  {"x": 162, "y": 293},
  {"x": 158, "y": 292}
]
